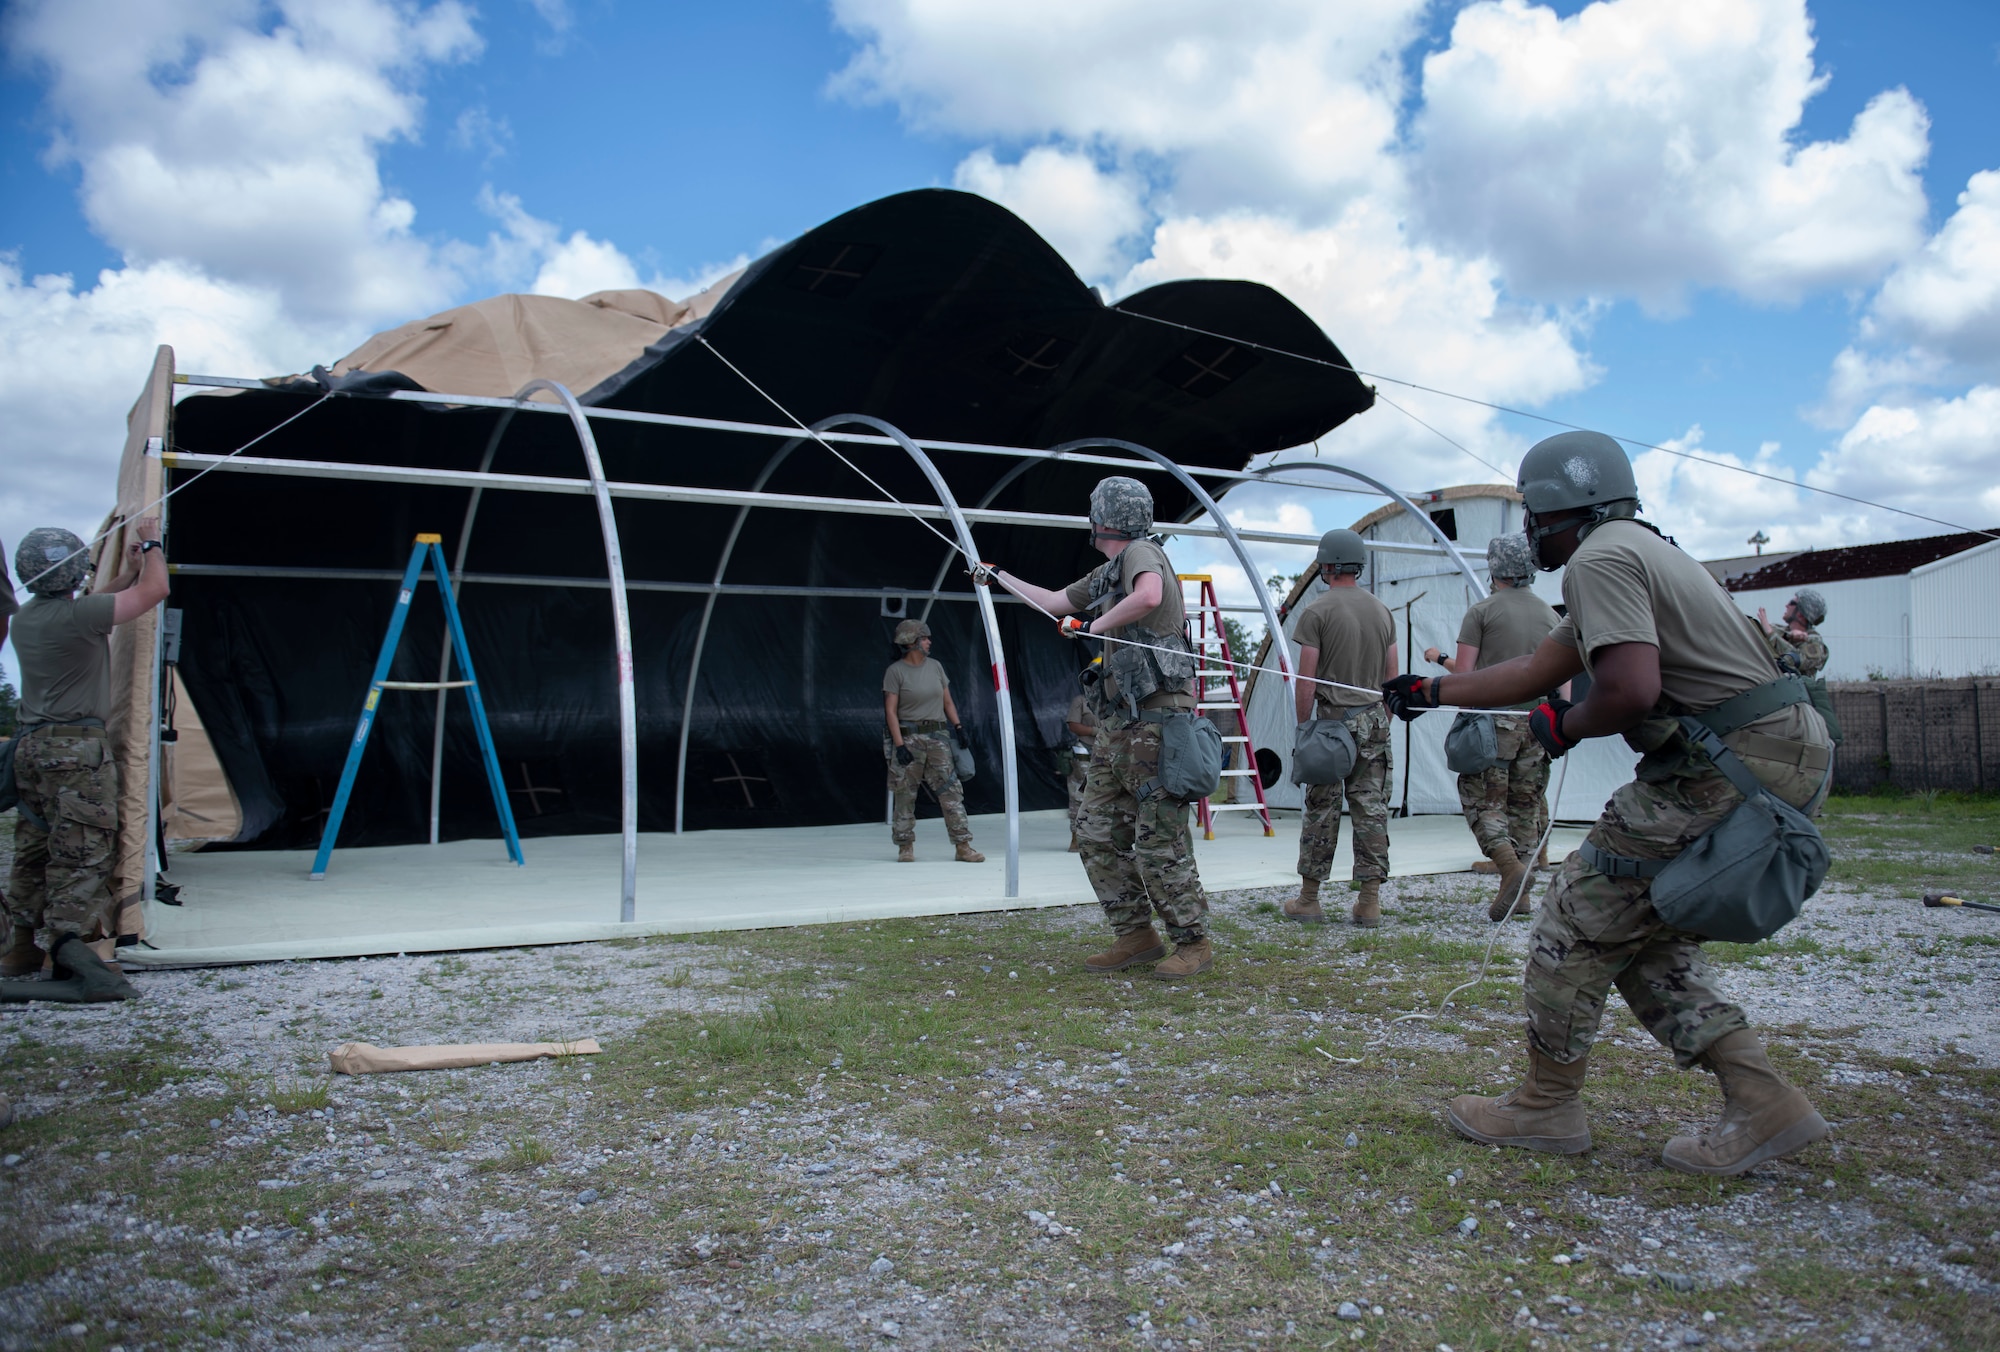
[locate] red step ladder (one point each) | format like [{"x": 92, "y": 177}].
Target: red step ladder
[{"x": 1219, "y": 686}]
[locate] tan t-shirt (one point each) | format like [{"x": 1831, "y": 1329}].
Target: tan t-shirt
[
  {"x": 65, "y": 657},
  {"x": 1353, "y": 632},
  {"x": 1508, "y": 623},
  {"x": 919, "y": 690},
  {"x": 1169, "y": 617},
  {"x": 1627, "y": 585}
]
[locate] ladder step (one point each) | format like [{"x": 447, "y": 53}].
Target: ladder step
[
  {"x": 423, "y": 685},
  {"x": 1237, "y": 774},
  {"x": 1235, "y": 807},
  {"x": 1236, "y": 739},
  {"x": 1225, "y": 704}
]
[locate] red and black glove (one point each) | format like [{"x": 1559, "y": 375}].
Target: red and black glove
[
  {"x": 984, "y": 574},
  {"x": 1072, "y": 627},
  {"x": 1410, "y": 696},
  {"x": 1546, "y": 723}
]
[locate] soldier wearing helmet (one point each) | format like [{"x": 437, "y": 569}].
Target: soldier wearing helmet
[
  {"x": 1346, "y": 636},
  {"x": 1796, "y": 644},
  {"x": 1136, "y": 847},
  {"x": 66, "y": 841},
  {"x": 1507, "y": 803},
  {"x": 918, "y": 712},
  {"x": 1663, "y": 643}
]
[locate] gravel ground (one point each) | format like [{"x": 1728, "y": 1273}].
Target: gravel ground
[{"x": 937, "y": 1134}]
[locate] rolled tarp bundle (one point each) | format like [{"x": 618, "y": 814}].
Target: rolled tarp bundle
[{"x": 360, "y": 1058}]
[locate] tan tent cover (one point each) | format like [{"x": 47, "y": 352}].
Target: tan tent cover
[
  {"x": 361, "y": 1058},
  {"x": 493, "y": 347}
]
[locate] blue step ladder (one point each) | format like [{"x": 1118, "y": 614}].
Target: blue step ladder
[{"x": 428, "y": 547}]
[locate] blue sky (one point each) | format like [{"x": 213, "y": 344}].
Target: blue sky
[{"x": 1731, "y": 225}]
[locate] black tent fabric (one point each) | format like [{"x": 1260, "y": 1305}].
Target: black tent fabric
[{"x": 937, "y": 311}]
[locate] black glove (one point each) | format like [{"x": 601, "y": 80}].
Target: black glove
[
  {"x": 1409, "y": 696},
  {"x": 903, "y": 756},
  {"x": 1546, "y": 723},
  {"x": 958, "y": 734}
]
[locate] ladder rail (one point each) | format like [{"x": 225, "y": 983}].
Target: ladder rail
[{"x": 1210, "y": 634}]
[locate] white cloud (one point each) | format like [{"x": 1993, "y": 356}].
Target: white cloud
[
  {"x": 1276, "y": 103},
  {"x": 1642, "y": 147},
  {"x": 476, "y": 130},
  {"x": 249, "y": 152},
  {"x": 1084, "y": 212},
  {"x": 1937, "y": 456},
  {"x": 1946, "y": 298}
]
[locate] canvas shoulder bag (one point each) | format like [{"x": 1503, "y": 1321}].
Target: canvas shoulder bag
[
  {"x": 1472, "y": 746},
  {"x": 1749, "y": 876},
  {"x": 1324, "y": 751},
  {"x": 961, "y": 761},
  {"x": 1190, "y": 756}
]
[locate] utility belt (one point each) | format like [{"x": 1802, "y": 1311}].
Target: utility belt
[
  {"x": 1751, "y": 873},
  {"x": 94, "y": 728},
  {"x": 10, "y": 795},
  {"x": 929, "y": 727}
]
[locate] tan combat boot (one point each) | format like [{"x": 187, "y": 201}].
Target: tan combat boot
[
  {"x": 1075, "y": 844},
  {"x": 1367, "y": 911},
  {"x": 1486, "y": 866},
  {"x": 1305, "y": 907},
  {"x": 1511, "y": 899},
  {"x": 1542, "y": 859},
  {"x": 1190, "y": 959},
  {"x": 22, "y": 958},
  {"x": 967, "y": 855},
  {"x": 906, "y": 854},
  {"x": 1763, "y": 1116},
  {"x": 1141, "y": 945},
  {"x": 1544, "y": 1113}
]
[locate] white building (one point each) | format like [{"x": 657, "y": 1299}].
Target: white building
[{"x": 1924, "y": 607}]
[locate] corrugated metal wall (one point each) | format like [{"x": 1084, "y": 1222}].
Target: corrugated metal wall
[{"x": 1955, "y": 614}]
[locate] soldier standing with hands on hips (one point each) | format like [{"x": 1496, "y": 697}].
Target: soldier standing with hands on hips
[
  {"x": 1137, "y": 848},
  {"x": 1687, "y": 681},
  {"x": 918, "y": 711}
]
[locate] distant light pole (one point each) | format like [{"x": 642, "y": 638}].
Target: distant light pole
[{"x": 1759, "y": 540}]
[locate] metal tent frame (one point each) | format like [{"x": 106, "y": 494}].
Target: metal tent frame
[{"x": 881, "y": 435}]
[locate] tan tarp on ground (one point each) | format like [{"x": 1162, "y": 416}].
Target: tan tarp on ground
[
  {"x": 493, "y": 347},
  {"x": 133, "y": 645}
]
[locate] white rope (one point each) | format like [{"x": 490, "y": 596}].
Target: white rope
[
  {"x": 956, "y": 548},
  {"x": 121, "y": 521}
]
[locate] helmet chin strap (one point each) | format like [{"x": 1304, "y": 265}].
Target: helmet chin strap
[{"x": 1593, "y": 518}]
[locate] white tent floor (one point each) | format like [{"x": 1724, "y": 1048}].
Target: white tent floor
[{"x": 259, "y": 906}]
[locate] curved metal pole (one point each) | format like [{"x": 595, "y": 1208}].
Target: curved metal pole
[
  {"x": 444, "y": 655},
  {"x": 1222, "y": 524},
  {"x": 937, "y": 583},
  {"x": 1449, "y": 548},
  {"x": 1003, "y": 696},
  {"x": 621, "y": 628},
  {"x": 701, "y": 633}
]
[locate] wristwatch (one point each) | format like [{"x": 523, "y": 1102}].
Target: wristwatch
[{"x": 145, "y": 545}]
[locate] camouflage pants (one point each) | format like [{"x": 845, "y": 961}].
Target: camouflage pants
[
  {"x": 1594, "y": 931},
  {"x": 1079, "y": 767},
  {"x": 1366, "y": 792},
  {"x": 1137, "y": 849},
  {"x": 1509, "y": 802},
  {"x": 931, "y": 766},
  {"x": 63, "y": 861}
]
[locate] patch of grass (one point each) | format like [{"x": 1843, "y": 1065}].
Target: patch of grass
[
  {"x": 299, "y": 1097},
  {"x": 522, "y": 1154}
]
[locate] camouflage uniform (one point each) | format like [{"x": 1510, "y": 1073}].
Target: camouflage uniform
[
  {"x": 1076, "y": 767},
  {"x": 66, "y": 835},
  {"x": 1137, "y": 849},
  {"x": 1508, "y": 802},
  {"x": 1806, "y": 656},
  {"x": 931, "y": 765},
  {"x": 1366, "y": 792},
  {"x": 1594, "y": 931}
]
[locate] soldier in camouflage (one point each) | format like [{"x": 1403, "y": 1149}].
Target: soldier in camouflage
[
  {"x": 1081, "y": 725},
  {"x": 1796, "y": 644},
  {"x": 65, "y": 842},
  {"x": 1137, "y": 849},
  {"x": 1661, "y": 640},
  {"x": 1347, "y": 640},
  {"x": 918, "y": 714}
]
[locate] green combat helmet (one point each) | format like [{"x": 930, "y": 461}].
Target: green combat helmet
[
  {"x": 51, "y": 561},
  {"x": 1120, "y": 509},
  {"x": 1509, "y": 558},
  {"x": 911, "y": 632},
  {"x": 1812, "y": 606},
  {"x": 1344, "y": 550},
  {"x": 1574, "y": 470}
]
